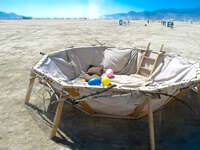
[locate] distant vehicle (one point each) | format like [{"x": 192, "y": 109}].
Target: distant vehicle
[{"x": 170, "y": 24}]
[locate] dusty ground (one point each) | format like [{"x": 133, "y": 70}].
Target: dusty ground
[{"x": 22, "y": 40}]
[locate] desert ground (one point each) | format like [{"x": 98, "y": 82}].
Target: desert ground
[{"x": 21, "y": 41}]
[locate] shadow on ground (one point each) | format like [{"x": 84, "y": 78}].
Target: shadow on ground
[{"x": 176, "y": 127}]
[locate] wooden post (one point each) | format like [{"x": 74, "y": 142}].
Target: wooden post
[
  {"x": 198, "y": 88},
  {"x": 30, "y": 87},
  {"x": 57, "y": 118},
  {"x": 151, "y": 125}
]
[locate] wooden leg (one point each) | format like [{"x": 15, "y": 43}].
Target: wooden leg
[
  {"x": 57, "y": 119},
  {"x": 30, "y": 87},
  {"x": 138, "y": 109},
  {"x": 198, "y": 87},
  {"x": 177, "y": 96},
  {"x": 151, "y": 125}
]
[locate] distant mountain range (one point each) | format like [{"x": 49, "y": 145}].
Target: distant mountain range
[
  {"x": 162, "y": 14},
  {"x": 4, "y": 15}
]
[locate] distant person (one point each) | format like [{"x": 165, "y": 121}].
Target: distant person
[
  {"x": 172, "y": 25},
  {"x": 120, "y": 22},
  {"x": 164, "y": 23}
]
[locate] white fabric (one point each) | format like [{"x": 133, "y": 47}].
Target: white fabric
[
  {"x": 120, "y": 106},
  {"x": 178, "y": 69},
  {"x": 116, "y": 105},
  {"x": 121, "y": 61},
  {"x": 50, "y": 68},
  {"x": 129, "y": 81}
]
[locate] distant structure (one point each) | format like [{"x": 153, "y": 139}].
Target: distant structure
[
  {"x": 26, "y": 17},
  {"x": 124, "y": 22},
  {"x": 169, "y": 24}
]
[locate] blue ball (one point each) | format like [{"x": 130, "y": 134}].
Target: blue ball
[{"x": 94, "y": 81}]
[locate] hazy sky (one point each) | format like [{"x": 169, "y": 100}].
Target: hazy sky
[{"x": 88, "y": 8}]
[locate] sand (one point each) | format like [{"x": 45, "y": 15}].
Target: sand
[{"x": 21, "y": 41}]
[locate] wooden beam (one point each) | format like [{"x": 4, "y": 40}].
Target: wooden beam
[
  {"x": 151, "y": 125},
  {"x": 72, "y": 92},
  {"x": 178, "y": 95},
  {"x": 138, "y": 109},
  {"x": 30, "y": 87},
  {"x": 149, "y": 58},
  {"x": 84, "y": 105},
  {"x": 87, "y": 107},
  {"x": 57, "y": 118},
  {"x": 198, "y": 88}
]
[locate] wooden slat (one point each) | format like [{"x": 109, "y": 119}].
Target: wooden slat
[
  {"x": 144, "y": 75},
  {"x": 147, "y": 69},
  {"x": 155, "y": 52},
  {"x": 149, "y": 58},
  {"x": 113, "y": 116}
]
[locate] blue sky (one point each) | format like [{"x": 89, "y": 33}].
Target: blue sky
[{"x": 88, "y": 8}]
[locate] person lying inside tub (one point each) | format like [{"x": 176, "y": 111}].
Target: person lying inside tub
[{"x": 92, "y": 72}]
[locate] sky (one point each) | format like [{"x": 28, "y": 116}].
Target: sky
[{"x": 88, "y": 8}]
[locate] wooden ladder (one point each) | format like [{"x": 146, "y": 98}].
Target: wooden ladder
[{"x": 154, "y": 60}]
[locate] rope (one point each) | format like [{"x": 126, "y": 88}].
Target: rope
[
  {"x": 102, "y": 44},
  {"x": 179, "y": 100},
  {"x": 79, "y": 99}
]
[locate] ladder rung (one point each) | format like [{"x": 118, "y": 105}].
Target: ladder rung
[
  {"x": 149, "y": 58},
  {"x": 145, "y": 69},
  {"x": 159, "y": 53},
  {"x": 143, "y": 75}
]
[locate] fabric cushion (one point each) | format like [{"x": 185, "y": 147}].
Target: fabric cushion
[{"x": 120, "y": 60}]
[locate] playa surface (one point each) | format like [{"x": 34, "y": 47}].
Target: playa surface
[{"x": 21, "y": 41}]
